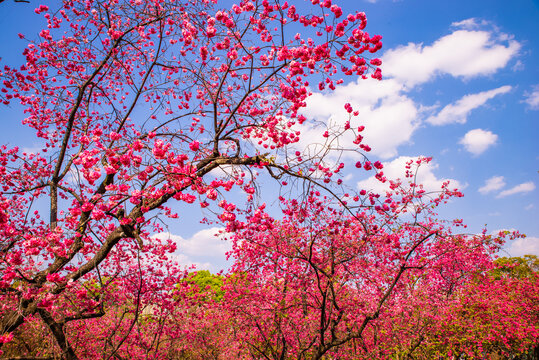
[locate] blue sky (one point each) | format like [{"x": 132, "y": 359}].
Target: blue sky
[{"x": 461, "y": 84}]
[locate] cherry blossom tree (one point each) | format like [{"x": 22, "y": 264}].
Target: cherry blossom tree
[
  {"x": 394, "y": 284},
  {"x": 490, "y": 317},
  {"x": 142, "y": 109},
  {"x": 140, "y": 105},
  {"x": 321, "y": 283}
]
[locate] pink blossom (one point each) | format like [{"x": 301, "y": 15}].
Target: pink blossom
[{"x": 194, "y": 146}]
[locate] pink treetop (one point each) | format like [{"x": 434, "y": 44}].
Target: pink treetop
[{"x": 324, "y": 280}]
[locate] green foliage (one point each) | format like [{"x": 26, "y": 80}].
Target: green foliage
[
  {"x": 516, "y": 267},
  {"x": 205, "y": 285}
]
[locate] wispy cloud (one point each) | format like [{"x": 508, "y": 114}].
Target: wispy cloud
[
  {"x": 469, "y": 24},
  {"x": 518, "y": 189},
  {"x": 492, "y": 184},
  {"x": 532, "y": 98},
  {"x": 459, "y": 111}
]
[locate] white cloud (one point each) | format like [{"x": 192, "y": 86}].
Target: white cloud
[
  {"x": 396, "y": 169},
  {"x": 464, "y": 53},
  {"x": 387, "y": 111},
  {"x": 496, "y": 183},
  {"x": 469, "y": 24},
  {"x": 519, "y": 66},
  {"x": 206, "y": 249},
  {"x": 524, "y": 246},
  {"x": 492, "y": 184},
  {"x": 532, "y": 99},
  {"x": 458, "y": 112},
  {"x": 389, "y": 116},
  {"x": 521, "y": 188},
  {"x": 477, "y": 141}
]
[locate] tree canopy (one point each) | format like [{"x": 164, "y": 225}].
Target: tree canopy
[{"x": 146, "y": 108}]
